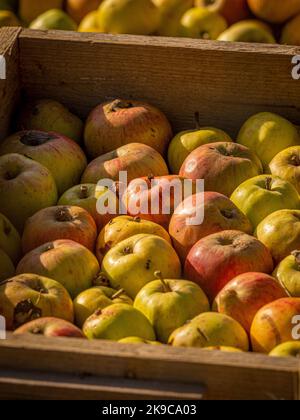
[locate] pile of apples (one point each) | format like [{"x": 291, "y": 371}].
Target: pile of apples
[
  {"x": 264, "y": 21},
  {"x": 231, "y": 283}
]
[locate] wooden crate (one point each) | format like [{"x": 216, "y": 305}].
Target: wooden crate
[{"x": 225, "y": 83}]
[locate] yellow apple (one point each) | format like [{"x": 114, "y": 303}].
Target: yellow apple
[{"x": 202, "y": 23}]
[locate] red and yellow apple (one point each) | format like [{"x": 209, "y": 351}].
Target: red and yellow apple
[
  {"x": 67, "y": 262},
  {"x": 28, "y": 296},
  {"x": 222, "y": 166},
  {"x": 50, "y": 327},
  {"x": 288, "y": 274},
  {"x": 245, "y": 295},
  {"x": 286, "y": 165},
  {"x": 232, "y": 10},
  {"x": 274, "y": 11},
  {"x": 218, "y": 258},
  {"x": 10, "y": 241}
]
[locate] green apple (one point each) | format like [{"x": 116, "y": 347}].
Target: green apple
[
  {"x": 280, "y": 232},
  {"x": 202, "y": 23},
  {"x": 54, "y": 19},
  {"x": 289, "y": 349},
  {"x": 267, "y": 134},
  {"x": 288, "y": 274},
  {"x": 187, "y": 141},
  {"x": 264, "y": 194},
  {"x": 248, "y": 31},
  {"x": 7, "y": 268},
  {"x": 10, "y": 241},
  {"x": 131, "y": 264},
  {"x": 138, "y": 340},
  {"x": 168, "y": 304},
  {"x": 211, "y": 329},
  {"x": 118, "y": 321},
  {"x": 286, "y": 165},
  {"x": 99, "y": 297}
]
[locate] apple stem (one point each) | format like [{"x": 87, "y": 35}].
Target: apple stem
[
  {"x": 137, "y": 219},
  {"x": 296, "y": 254},
  {"x": 118, "y": 294},
  {"x": 101, "y": 280},
  {"x": 63, "y": 215},
  {"x": 84, "y": 192},
  {"x": 159, "y": 276},
  {"x": 120, "y": 104},
  {"x": 268, "y": 183},
  {"x": 197, "y": 120}
]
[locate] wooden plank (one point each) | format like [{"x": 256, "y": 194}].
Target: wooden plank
[
  {"x": 9, "y": 87},
  {"x": 225, "y": 376},
  {"x": 225, "y": 82}
]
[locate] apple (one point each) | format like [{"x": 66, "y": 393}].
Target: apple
[
  {"x": 49, "y": 115},
  {"x": 232, "y": 10},
  {"x": 280, "y": 232},
  {"x": 60, "y": 222},
  {"x": 288, "y": 274},
  {"x": 202, "y": 23},
  {"x": 25, "y": 188},
  {"x": 274, "y": 11},
  {"x": 225, "y": 349},
  {"x": 160, "y": 298},
  {"x": 273, "y": 324},
  {"x": 248, "y": 31},
  {"x": 138, "y": 340},
  {"x": 286, "y": 165},
  {"x": 131, "y": 264},
  {"x": 124, "y": 227},
  {"x": 290, "y": 33},
  {"x": 54, "y": 19},
  {"x": 262, "y": 195},
  {"x": 78, "y": 9},
  {"x": 67, "y": 262},
  {"x": 135, "y": 158},
  {"x": 187, "y": 141},
  {"x": 50, "y": 327},
  {"x": 8, "y": 18},
  {"x": 267, "y": 134},
  {"x": 223, "y": 166},
  {"x": 89, "y": 23},
  {"x": 245, "y": 295},
  {"x": 139, "y": 200},
  {"x": 7, "y": 268},
  {"x": 99, "y": 297},
  {"x": 118, "y": 321},
  {"x": 209, "y": 330},
  {"x": 138, "y": 17},
  {"x": 116, "y": 123},
  {"x": 60, "y": 155},
  {"x": 171, "y": 12},
  {"x": 28, "y": 296},
  {"x": 289, "y": 349},
  {"x": 218, "y": 258},
  {"x": 10, "y": 241},
  {"x": 219, "y": 214},
  {"x": 86, "y": 196},
  {"x": 31, "y": 9}
]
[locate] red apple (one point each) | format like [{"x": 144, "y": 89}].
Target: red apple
[
  {"x": 218, "y": 258},
  {"x": 223, "y": 166},
  {"x": 114, "y": 124},
  {"x": 60, "y": 222},
  {"x": 246, "y": 294},
  {"x": 135, "y": 158},
  {"x": 219, "y": 214},
  {"x": 67, "y": 262},
  {"x": 50, "y": 327},
  {"x": 28, "y": 296},
  {"x": 232, "y": 10},
  {"x": 59, "y": 154}
]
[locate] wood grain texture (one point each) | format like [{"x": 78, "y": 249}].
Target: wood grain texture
[
  {"x": 225, "y": 376},
  {"x": 9, "y": 88},
  {"x": 225, "y": 82}
]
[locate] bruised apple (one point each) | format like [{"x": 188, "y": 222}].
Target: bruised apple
[
  {"x": 119, "y": 122},
  {"x": 60, "y": 222},
  {"x": 26, "y": 187},
  {"x": 232, "y": 10},
  {"x": 7, "y": 268},
  {"x": 124, "y": 227},
  {"x": 274, "y": 324},
  {"x": 218, "y": 258},
  {"x": 60, "y": 155},
  {"x": 118, "y": 321},
  {"x": 210, "y": 330},
  {"x": 10, "y": 241},
  {"x": 78, "y": 9},
  {"x": 274, "y": 11},
  {"x": 28, "y": 296},
  {"x": 219, "y": 214},
  {"x": 67, "y": 262},
  {"x": 95, "y": 298},
  {"x": 131, "y": 264},
  {"x": 222, "y": 166},
  {"x": 135, "y": 158},
  {"x": 49, "y": 115},
  {"x": 245, "y": 295},
  {"x": 288, "y": 274},
  {"x": 50, "y": 327}
]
